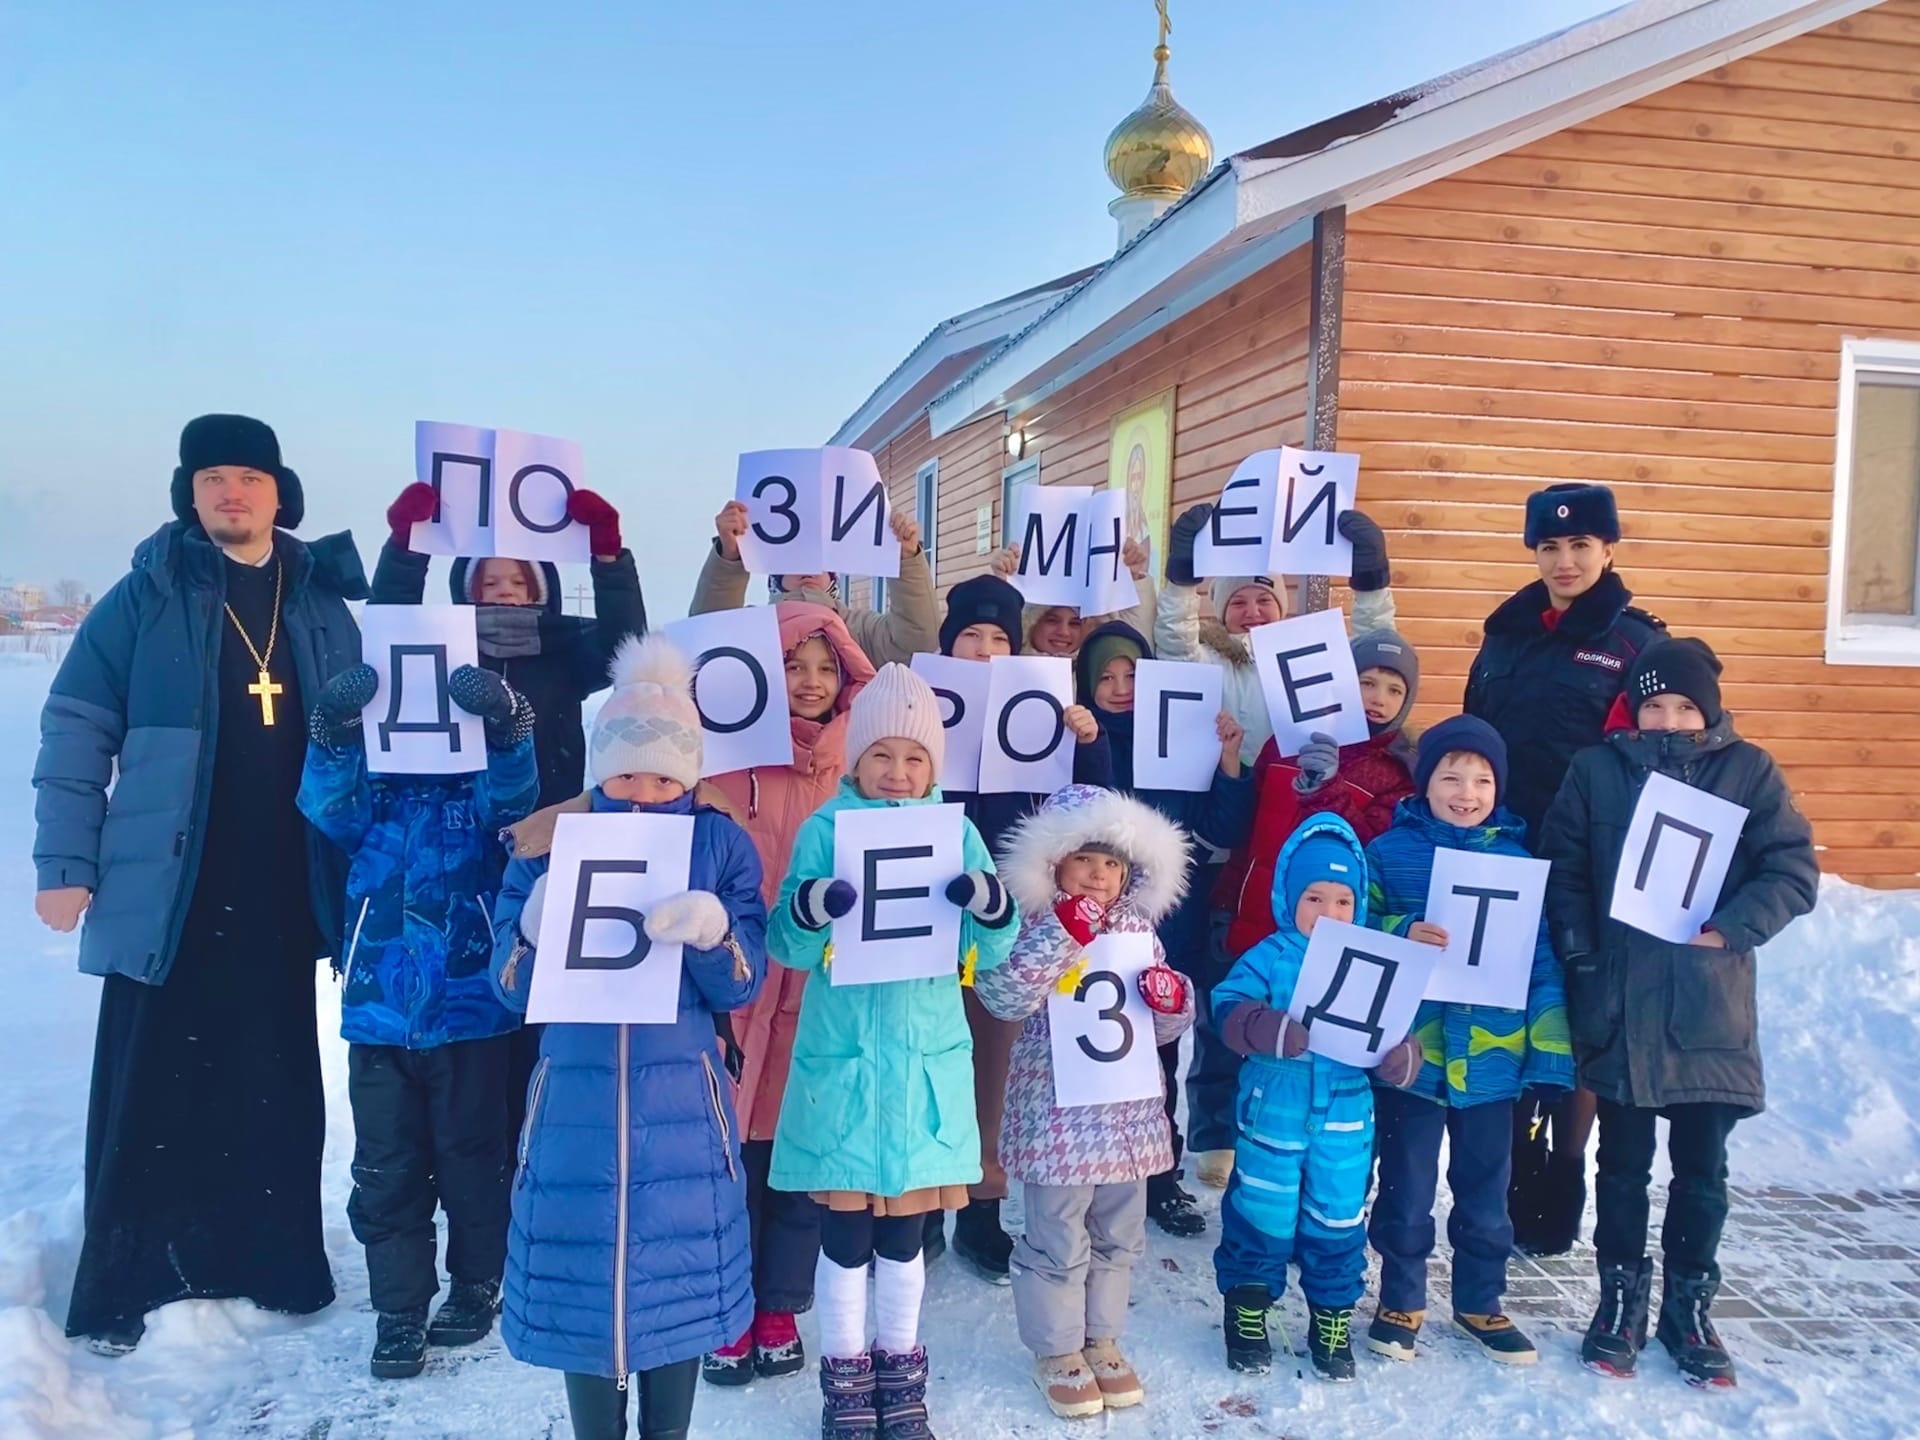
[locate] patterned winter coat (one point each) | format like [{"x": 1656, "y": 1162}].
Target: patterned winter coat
[
  {"x": 633, "y": 1122},
  {"x": 1375, "y": 775},
  {"x": 880, "y": 1098},
  {"x": 772, "y": 802},
  {"x": 1474, "y": 1053},
  {"x": 1041, "y": 1143},
  {"x": 1307, "y": 1121},
  {"x": 425, "y": 868}
]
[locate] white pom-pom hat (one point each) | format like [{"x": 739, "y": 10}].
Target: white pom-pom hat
[{"x": 648, "y": 725}]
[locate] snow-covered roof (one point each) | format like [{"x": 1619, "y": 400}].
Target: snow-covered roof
[{"x": 1259, "y": 204}]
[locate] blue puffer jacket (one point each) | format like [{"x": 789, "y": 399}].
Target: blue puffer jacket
[
  {"x": 1474, "y": 1053},
  {"x": 137, "y": 692},
  {"x": 635, "y": 1120},
  {"x": 1307, "y": 1121},
  {"x": 425, "y": 868}
]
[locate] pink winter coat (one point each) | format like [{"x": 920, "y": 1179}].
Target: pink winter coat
[
  {"x": 771, "y": 802},
  {"x": 1040, "y": 1143}
]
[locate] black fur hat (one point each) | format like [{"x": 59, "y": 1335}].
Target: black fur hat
[
  {"x": 235, "y": 440},
  {"x": 1572, "y": 509}
]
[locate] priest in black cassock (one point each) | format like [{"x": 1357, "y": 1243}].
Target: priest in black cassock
[{"x": 170, "y": 754}]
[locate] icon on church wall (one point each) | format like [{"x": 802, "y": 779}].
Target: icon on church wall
[{"x": 1140, "y": 462}]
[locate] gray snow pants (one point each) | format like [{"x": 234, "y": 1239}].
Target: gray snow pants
[{"x": 1073, "y": 1268}]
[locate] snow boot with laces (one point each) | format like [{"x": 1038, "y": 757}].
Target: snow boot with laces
[
  {"x": 1686, "y": 1329},
  {"x": 1330, "y": 1341},
  {"x": 466, "y": 1318},
  {"x": 847, "y": 1399},
  {"x": 1072, "y": 1392},
  {"x": 1249, "y": 1348},
  {"x": 901, "y": 1393},
  {"x": 1618, "y": 1331},
  {"x": 400, "y": 1344}
]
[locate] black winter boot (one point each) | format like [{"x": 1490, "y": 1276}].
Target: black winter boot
[
  {"x": 1686, "y": 1329},
  {"x": 901, "y": 1394},
  {"x": 1563, "y": 1198},
  {"x": 1249, "y": 1349},
  {"x": 1526, "y": 1191},
  {"x": 467, "y": 1316},
  {"x": 979, "y": 1240},
  {"x": 846, "y": 1392},
  {"x": 1330, "y": 1341},
  {"x": 400, "y": 1345},
  {"x": 1618, "y": 1331},
  {"x": 1173, "y": 1208},
  {"x": 933, "y": 1239}
]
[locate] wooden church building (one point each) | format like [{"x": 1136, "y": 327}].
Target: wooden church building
[{"x": 1675, "y": 249}]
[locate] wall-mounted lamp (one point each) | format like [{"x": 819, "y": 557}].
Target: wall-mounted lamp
[{"x": 1016, "y": 444}]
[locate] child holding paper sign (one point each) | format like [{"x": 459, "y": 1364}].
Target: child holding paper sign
[
  {"x": 428, "y": 1060},
  {"x": 1479, "y": 1058},
  {"x": 1305, "y": 1121},
  {"x": 1218, "y": 818},
  {"x": 628, "y": 1259},
  {"x": 825, "y": 672},
  {"x": 1088, "y": 863},
  {"x": 878, "y": 1119},
  {"x": 1663, "y": 1029}
]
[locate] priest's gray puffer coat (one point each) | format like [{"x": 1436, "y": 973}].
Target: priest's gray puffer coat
[{"x": 1654, "y": 1023}]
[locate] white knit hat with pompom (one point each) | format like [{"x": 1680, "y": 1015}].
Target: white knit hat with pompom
[{"x": 648, "y": 725}]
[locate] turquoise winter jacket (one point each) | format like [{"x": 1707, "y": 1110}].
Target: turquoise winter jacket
[
  {"x": 1474, "y": 1053},
  {"x": 880, "y": 1096}
]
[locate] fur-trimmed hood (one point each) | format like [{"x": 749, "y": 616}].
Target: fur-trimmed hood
[{"x": 1155, "y": 849}]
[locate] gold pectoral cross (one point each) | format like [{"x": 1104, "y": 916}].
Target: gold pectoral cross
[{"x": 266, "y": 687}]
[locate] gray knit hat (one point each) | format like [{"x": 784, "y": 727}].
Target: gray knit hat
[{"x": 1386, "y": 650}]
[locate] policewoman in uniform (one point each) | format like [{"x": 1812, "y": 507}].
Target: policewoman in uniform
[{"x": 1550, "y": 670}]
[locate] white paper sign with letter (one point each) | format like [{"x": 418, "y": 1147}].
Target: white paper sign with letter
[
  {"x": 412, "y": 726},
  {"x": 593, "y": 962},
  {"x": 1358, "y": 991},
  {"x": 1679, "y": 847},
  {"x": 1489, "y": 905},
  {"x": 815, "y": 510},
  {"x": 498, "y": 492},
  {"x": 1026, "y": 748},
  {"x": 899, "y": 861},
  {"x": 1102, "y": 1034},
  {"x": 1176, "y": 715},
  {"x": 1279, "y": 515},
  {"x": 739, "y": 687},
  {"x": 1308, "y": 676},
  {"x": 961, "y": 688},
  {"x": 1071, "y": 539}
]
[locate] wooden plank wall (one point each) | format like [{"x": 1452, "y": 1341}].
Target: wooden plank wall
[
  {"x": 1239, "y": 363},
  {"x": 1656, "y": 299}
]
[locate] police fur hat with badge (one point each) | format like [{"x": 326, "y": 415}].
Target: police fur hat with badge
[
  {"x": 212, "y": 440},
  {"x": 1572, "y": 509}
]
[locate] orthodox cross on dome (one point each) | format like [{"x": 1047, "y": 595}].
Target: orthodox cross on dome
[{"x": 1160, "y": 51}]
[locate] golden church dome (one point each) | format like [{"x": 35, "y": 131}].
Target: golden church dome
[{"x": 1159, "y": 151}]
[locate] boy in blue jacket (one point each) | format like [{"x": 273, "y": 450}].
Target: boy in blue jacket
[
  {"x": 1305, "y": 1140},
  {"x": 628, "y": 1257},
  {"x": 428, "y": 1060},
  {"x": 1219, "y": 819},
  {"x": 1479, "y": 1060}
]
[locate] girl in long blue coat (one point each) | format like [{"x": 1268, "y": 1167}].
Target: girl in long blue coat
[
  {"x": 1304, "y": 1121},
  {"x": 878, "y": 1120},
  {"x": 628, "y": 1256}
]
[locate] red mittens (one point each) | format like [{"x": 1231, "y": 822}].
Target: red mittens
[
  {"x": 584, "y": 507},
  {"x": 1081, "y": 917},
  {"x": 413, "y": 505},
  {"x": 1164, "y": 989}
]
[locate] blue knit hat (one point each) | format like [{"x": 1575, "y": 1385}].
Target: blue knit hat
[
  {"x": 1456, "y": 733},
  {"x": 1322, "y": 857}
]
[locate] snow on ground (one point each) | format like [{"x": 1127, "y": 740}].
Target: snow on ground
[{"x": 1841, "y": 1007}]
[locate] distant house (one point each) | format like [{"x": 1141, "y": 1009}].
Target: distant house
[
  {"x": 1675, "y": 249},
  {"x": 62, "y": 618},
  {"x": 16, "y": 600}
]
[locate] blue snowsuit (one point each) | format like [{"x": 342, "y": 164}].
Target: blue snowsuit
[
  {"x": 581, "y": 1295},
  {"x": 1305, "y": 1126}
]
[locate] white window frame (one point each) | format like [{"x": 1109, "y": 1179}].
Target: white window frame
[
  {"x": 1861, "y": 640},
  {"x": 926, "y": 504},
  {"x": 1026, "y": 472}
]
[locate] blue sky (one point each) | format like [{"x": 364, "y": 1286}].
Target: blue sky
[{"x": 669, "y": 232}]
